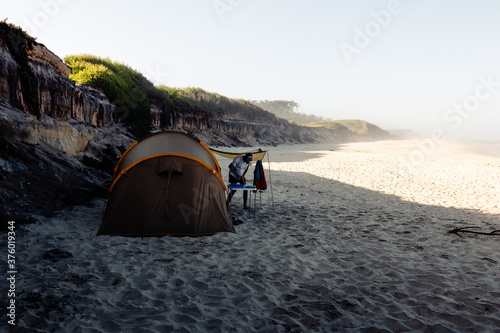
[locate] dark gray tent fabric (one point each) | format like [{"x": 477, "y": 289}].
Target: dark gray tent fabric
[{"x": 173, "y": 191}]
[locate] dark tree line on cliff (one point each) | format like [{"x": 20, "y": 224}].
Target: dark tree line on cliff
[{"x": 288, "y": 110}]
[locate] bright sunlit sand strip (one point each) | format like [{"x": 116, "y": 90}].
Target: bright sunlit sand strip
[
  {"x": 358, "y": 242},
  {"x": 446, "y": 174}
]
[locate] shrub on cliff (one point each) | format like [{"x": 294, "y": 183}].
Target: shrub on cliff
[
  {"x": 197, "y": 99},
  {"x": 124, "y": 86}
]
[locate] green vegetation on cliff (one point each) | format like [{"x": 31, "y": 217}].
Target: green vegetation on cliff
[
  {"x": 132, "y": 94},
  {"x": 125, "y": 87},
  {"x": 350, "y": 123},
  {"x": 197, "y": 99},
  {"x": 356, "y": 126}
]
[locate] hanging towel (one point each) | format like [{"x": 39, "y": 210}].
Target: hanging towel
[{"x": 259, "y": 179}]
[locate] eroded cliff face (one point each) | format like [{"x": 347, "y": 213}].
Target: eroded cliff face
[
  {"x": 236, "y": 129},
  {"x": 57, "y": 95},
  {"x": 70, "y": 117},
  {"x": 62, "y": 154}
]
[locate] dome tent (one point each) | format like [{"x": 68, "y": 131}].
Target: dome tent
[{"x": 167, "y": 183}]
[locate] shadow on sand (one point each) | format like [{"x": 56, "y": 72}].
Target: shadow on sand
[
  {"x": 331, "y": 257},
  {"x": 379, "y": 262}
]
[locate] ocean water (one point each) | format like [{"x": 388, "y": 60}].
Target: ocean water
[
  {"x": 492, "y": 152},
  {"x": 491, "y": 148}
]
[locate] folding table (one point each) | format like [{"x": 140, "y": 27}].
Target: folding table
[{"x": 242, "y": 187}]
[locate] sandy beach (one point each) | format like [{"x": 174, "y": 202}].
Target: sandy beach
[{"x": 357, "y": 241}]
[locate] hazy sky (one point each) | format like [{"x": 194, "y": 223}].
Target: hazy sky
[{"x": 428, "y": 65}]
